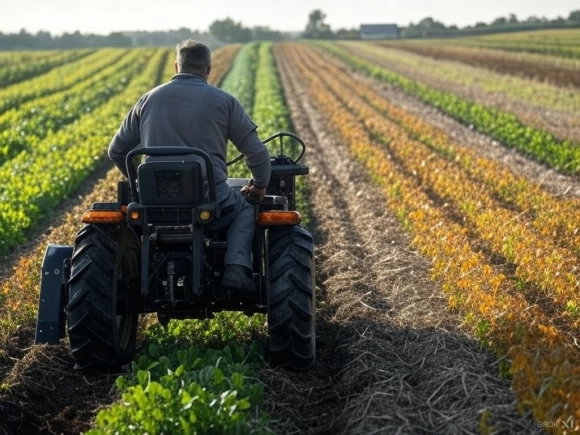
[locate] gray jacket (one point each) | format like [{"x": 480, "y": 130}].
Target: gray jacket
[{"x": 187, "y": 111}]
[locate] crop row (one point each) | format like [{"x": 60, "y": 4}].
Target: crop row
[
  {"x": 35, "y": 181},
  {"x": 551, "y": 42},
  {"x": 241, "y": 79},
  {"x": 548, "y": 48},
  {"x": 174, "y": 388},
  {"x": 26, "y": 56},
  {"x": 503, "y": 126},
  {"x": 560, "y": 72},
  {"x": 59, "y": 79},
  {"x": 22, "y": 128},
  {"x": 542, "y": 362},
  {"x": 20, "y": 70},
  {"x": 240, "y": 83}
]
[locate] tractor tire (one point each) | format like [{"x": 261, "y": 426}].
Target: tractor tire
[
  {"x": 102, "y": 331},
  {"x": 291, "y": 299}
]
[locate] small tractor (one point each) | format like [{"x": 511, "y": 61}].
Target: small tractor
[{"x": 152, "y": 252}]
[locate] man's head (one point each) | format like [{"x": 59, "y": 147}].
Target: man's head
[{"x": 194, "y": 58}]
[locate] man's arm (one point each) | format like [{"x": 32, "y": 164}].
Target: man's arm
[
  {"x": 257, "y": 159},
  {"x": 127, "y": 137}
]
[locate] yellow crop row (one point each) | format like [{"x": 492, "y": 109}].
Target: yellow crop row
[
  {"x": 545, "y": 369},
  {"x": 557, "y": 217}
]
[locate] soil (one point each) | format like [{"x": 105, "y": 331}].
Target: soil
[{"x": 541, "y": 68}]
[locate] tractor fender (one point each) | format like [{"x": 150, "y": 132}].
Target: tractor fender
[{"x": 54, "y": 274}]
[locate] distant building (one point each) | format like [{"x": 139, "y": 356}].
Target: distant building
[{"x": 379, "y": 31}]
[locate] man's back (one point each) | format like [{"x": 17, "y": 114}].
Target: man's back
[{"x": 188, "y": 111}]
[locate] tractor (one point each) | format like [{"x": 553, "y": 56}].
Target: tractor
[{"x": 153, "y": 251}]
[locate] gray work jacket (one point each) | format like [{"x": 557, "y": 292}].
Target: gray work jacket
[{"x": 187, "y": 111}]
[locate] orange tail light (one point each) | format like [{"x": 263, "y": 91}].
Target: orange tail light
[
  {"x": 103, "y": 217},
  {"x": 279, "y": 218}
]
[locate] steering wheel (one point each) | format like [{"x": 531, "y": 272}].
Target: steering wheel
[{"x": 281, "y": 135}]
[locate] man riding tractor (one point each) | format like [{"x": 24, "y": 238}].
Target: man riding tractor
[{"x": 189, "y": 112}]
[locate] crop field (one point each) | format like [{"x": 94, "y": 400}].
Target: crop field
[{"x": 444, "y": 199}]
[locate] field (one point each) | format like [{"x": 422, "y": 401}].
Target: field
[{"x": 444, "y": 199}]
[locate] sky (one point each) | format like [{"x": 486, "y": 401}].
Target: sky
[{"x": 105, "y": 16}]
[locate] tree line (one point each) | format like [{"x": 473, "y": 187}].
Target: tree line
[
  {"x": 227, "y": 31},
  {"x": 428, "y": 27}
]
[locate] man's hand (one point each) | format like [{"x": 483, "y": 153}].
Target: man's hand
[{"x": 252, "y": 193}]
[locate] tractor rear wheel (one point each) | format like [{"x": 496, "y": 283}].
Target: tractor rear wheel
[
  {"x": 291, "y": 299},
  {"x": 102, "y": 324}
]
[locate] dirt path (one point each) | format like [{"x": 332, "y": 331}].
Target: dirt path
[
  {"x": 391, "y": 357},
  {"x": 554, "y": 182}
]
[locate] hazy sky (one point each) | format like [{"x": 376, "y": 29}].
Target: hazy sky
[{"x": 104, "y": 16}]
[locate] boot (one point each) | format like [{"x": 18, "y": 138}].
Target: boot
[{"x": 238, "y": 280}]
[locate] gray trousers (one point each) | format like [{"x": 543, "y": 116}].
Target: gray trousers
[{"x": 237, "y": 215}]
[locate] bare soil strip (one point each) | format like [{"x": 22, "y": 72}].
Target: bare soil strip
[
  {"x": 556, "y": 183},
  {"x": 541, "y": 68},
  {"x": 391, "y": 357}
]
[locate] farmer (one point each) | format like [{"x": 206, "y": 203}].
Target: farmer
[{"x": 189, "y": 112}]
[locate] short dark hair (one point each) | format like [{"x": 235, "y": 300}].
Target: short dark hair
[{"x": 193, "y": 56}]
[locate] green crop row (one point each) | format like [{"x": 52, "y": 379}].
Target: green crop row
[
  {"x": 19, "y": 71},
  {"x": 240, "y": 80},
  {"x": 26, "y": 56},
  {"x": 23, "y": 128},
  {"x": 35, "y": 181},
  {"x": 503, "y": 126},
  {"x": 59, "y": 79},
  {"x": 556, "y": 42},
  {"x": 272, "y": 115},
  {"x": 177, "y": 388}
]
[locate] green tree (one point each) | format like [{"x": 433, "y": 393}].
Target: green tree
[
  {"x": 316, "y": 27},
  {"x": 574, "y": 15},
  {"x": 229, "y": 31}
]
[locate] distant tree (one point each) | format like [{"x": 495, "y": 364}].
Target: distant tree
[
  {"x": 430, "y": 24},
  {"x": 118, "y": 39},
  {"x": 229, "y": 31},
  {"x": 533, "y": 19},
  {"x": 347, "y": 34},
  {"x": 513, "y": 19},
  {"x": 44, "y": 39},
  {"x": 71, "y": 40},
  {"x": 480, "y": 25},
  {"x": 316, "y": 27},
  {"x": 501, "y": 21},
  {"x": 574, "y": 15}
]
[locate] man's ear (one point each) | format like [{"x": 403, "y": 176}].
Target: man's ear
[
  {"x": 175, "y": 67},
  {"x": 208, "y": 70}
]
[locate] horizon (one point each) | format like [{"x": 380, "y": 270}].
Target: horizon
[{"x": 109, "y": 14}]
